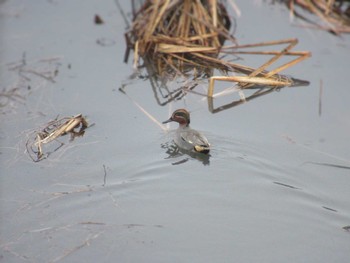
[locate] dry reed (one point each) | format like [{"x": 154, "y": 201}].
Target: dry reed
[
  {"x": 186, "y": 38},
  {"x": 75, "y": 126},
  {"x": 334, "y": 16},
  {"x": 179, "y": 35}
]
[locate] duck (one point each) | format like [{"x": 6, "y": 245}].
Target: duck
[{"x": 185, "y": 137}]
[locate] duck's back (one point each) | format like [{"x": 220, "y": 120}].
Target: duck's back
[{"x": 190, "y": 139}]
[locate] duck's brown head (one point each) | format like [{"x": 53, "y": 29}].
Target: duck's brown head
[{"x": 181, "y": 116}]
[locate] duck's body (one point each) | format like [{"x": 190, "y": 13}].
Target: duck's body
[
  {"x": 190, "y": 139},
  {"x": 187, "y": 138}
]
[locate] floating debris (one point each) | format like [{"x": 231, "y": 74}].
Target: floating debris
[
  {"x": 45, "y": 69},
  {"x": 105, "y": 42},
  {"x": 75, "y": 126},
  {"x": 287, "y": 185},
  {"x": 329, "y": 209},
  {"x": 10, "y": 96},
  {"x": 28, "y": 76},
  {"x": 98, "y": 20}
]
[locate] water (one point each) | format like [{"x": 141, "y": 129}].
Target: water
[{"x": 275, "y": 187}]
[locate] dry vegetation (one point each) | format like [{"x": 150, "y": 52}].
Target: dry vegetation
[
  {"x": 192, "y": 39},
  {"x": 333, "y": 15},
  {"x": 179, "y": 35},
  {"x": 75, "y": 126}
]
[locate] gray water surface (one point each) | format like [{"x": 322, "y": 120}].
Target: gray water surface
[{"x": 275, "y": 188}]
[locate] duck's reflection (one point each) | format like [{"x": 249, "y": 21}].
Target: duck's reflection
[{"x": 181, "y": 156}]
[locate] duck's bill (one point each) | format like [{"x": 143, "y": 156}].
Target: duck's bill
[{"x": 167, "y": 121}]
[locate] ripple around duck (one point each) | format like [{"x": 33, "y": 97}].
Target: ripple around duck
[{"x": 262, "y": 175}]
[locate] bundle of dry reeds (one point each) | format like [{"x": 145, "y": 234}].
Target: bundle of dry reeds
[
  {"x": 186, "y": 37},
  {"x": 334, "y": 14},
  {"x": 179, "y": 35}
]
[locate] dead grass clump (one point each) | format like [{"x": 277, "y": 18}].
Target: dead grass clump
[
  {"x": 75, "y": 126},
  {"x": 179, "y": 35},
  {"x": 186, "y": 38}
]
